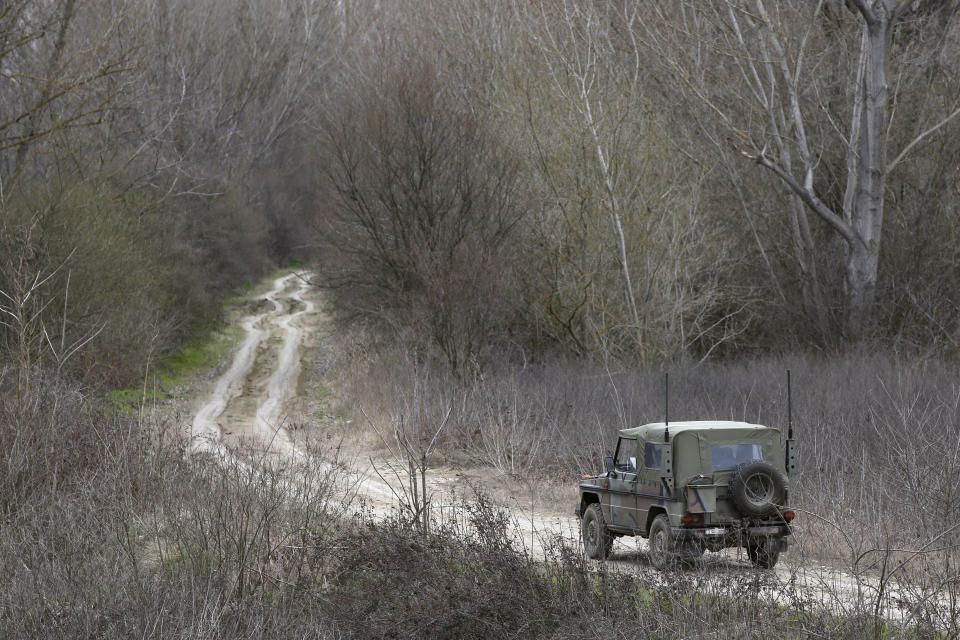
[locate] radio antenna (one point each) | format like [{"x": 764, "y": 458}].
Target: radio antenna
[
  {"x": 666, "y": 407},
  {"x": 789, "y": 409}
]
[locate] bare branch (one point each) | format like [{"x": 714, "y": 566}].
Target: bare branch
[
  {"x": 806, "y": 196},
  {"x": 865, "y": 11},
  {"x": 920, "y": 138}
]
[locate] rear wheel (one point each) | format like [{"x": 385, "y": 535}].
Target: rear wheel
[
  {"x": 693, "y": 551},
  {"x": 597, "y": 539},
  {"x": 661, "y": 543},
  {"x": 761, "y": 555}
]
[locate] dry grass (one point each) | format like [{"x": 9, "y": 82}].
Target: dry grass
[
  {"x": 108, "y": 531},
  {"x": 879, "y": 441}
]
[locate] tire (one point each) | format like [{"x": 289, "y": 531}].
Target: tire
[
  {"x": 757, "y": 488},
  {"x": 597, "y": 539},
  {"x": 760, "y": 555},
  {"x": 661, "y": 551}
]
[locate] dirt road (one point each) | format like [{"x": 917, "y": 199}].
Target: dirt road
[
  {"x": 247, "y": 402},
  {"x": 249, "y": 406}
]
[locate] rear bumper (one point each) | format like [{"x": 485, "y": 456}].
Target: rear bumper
[{"x": 733, "y": 536}]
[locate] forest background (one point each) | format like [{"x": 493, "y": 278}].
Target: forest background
[{"x": 485, "y": 182}]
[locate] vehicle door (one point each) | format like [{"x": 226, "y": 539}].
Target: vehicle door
[
  {"x": 623, "y": 487},
  {"x": 650, "y": 489}
]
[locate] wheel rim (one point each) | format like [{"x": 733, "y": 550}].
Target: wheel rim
[
  {"x": 659, "y": 544},
  {"x": 593, "y": 534},
  {"x": 759, "y": 489}
]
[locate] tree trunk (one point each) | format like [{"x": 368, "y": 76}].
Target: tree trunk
[
  {"x": 860, "y": 284},
  {"x": 49, "y": 82},
  {"x": 863, "y": 250}
]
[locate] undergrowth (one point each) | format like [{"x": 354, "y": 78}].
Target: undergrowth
[
  {"x": 207, "y": 347},
  {"x": 108, "y": 530},
  {"x": 204, "y": 351}
]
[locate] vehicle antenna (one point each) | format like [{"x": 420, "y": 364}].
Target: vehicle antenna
[
  {"x": 666, "y": 407},
  {"x": 789, "y": 409}
]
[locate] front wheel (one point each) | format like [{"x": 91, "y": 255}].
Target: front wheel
[{"x": 597, "y": 539}]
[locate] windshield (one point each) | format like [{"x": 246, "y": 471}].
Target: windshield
[{"x": 728, "y": 456}]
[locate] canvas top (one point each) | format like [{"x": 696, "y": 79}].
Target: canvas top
[{"x": 654, "y": 430}]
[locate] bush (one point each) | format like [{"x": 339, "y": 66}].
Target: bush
[
  {"x": 417, "y": 242},
  {"x": 107, "y": 530}
]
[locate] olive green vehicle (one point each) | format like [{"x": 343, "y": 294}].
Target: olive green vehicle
[{"x": 692, "y": 487}]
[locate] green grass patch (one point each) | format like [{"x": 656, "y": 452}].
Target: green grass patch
[
  {"x": 127, "y": 401},
  {"x": 328, "y": 409},
  {"x": 199, "y": 353},
  {"x": 209, "y": 344}
]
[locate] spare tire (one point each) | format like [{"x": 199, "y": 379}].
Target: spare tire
[{"x": 757, "y": 488}]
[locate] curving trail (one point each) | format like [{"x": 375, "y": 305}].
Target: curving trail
[
  {"x": 236, "y": 387},
  {"x": 282, "y": 385},
  {"x": 250, "y": 404},
  {"x": 205, "y": 432}
]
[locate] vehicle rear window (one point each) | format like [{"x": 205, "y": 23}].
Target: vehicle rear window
[{"x": 728, "y": 456}]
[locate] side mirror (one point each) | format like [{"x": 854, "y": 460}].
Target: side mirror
[{"x": 608, "y": 464}]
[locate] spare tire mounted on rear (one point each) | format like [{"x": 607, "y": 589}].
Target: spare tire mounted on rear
[{"x": 757, "y": 488}]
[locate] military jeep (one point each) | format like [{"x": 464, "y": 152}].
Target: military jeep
[{"x": 691, "y": 487}]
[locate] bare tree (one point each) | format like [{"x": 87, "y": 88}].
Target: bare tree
[
  {"x": 576, "y": 67},
  {"x": 629, "y": 267},
  {"x": 55, "y": 79},
  {"x": 424, "y": 206},
  {"x": 788, "y": 64}
]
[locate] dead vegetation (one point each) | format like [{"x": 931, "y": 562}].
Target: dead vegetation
[
  {"x": 879, "y": 435},
  {"x": 141, "y": 542},
  {"x": 111, "y": 530}
]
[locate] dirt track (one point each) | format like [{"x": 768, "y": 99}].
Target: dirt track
[
  {"x": 250, "y": 407},
  {"x": 225, "y": 417}
]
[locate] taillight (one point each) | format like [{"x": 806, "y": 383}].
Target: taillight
[
  {"x": 692, "y": 518},
  {"x": 788, "y": 515}
]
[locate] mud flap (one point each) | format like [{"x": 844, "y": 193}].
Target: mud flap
[{"x": 773, "y": 545}]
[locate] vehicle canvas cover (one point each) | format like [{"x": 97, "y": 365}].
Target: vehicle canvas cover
[{"x": 692, "y": 441}]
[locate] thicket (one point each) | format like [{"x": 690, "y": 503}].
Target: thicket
[
  {"x": 110, "y": 531},
  {"x": 142, "y": 156},
  {"x": 492, "y": 179},
  {"x": 641, "y": 233},
  {"x": 877, "y": 435},
  {"x": 690, "y": 185},
  {"x": 515, "y": 203}
]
